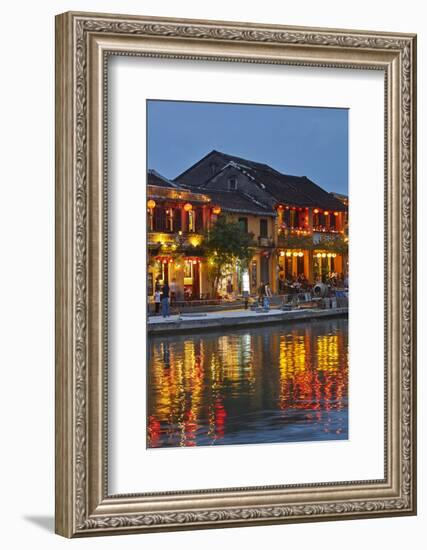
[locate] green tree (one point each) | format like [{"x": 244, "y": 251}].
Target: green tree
[{"x": 227, "y": 245}]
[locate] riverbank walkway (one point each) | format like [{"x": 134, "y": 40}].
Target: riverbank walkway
[{"x": 236, "y": 318}]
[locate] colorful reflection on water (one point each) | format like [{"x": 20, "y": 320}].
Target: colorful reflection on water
[{"x": 264, "y": 385}]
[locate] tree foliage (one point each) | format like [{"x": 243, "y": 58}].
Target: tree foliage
[{"x": 227, "y": 244}]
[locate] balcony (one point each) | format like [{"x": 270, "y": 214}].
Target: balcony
[
  {"x": 295, "y": 241},
  {"x": 320, "y": 232},
  {"x": 173, "y": 241},
  {"x": 266, "y": 242},
  {"x": 331, "y": 242}
]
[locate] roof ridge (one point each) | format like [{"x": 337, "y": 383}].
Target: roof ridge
[
  {"x": 249, "y": 161},
  {"x": 195, "y": 164}
]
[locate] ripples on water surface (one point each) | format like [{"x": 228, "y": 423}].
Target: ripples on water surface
[{"x": 264, "y": 385}]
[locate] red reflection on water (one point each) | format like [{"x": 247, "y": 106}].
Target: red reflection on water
[
  {"x": 201, "y": 389},
  {"x": 153, "y": 431},
  {"x": 220, "y": 416}
]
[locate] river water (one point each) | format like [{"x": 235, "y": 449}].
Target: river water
[{"x": 281, "y": 383}]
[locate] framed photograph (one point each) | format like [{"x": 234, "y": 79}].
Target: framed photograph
[{"x": 235, "y": 274}]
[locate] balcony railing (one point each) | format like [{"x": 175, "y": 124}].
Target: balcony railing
[
  {"x": 185, "y": 240},
  {"x": 323, "y": 229},
  {"x": 295, "y": 241},
  {"x": 266, "y": 242}
]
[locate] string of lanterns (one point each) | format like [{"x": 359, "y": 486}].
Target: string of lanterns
[
  {"x": 151, "y": 204},
  {"x": 301, "y": 254},
  {"x": 168, "y": 260},
  {"x": 300, "y": 209},
  {"x": 326, "y": 255},
  {"x": 289, "y": 254}
]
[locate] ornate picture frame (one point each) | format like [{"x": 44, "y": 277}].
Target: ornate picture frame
[{"x": 84, "y": 42}]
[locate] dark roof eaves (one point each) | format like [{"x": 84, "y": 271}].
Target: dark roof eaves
[
  {"x": 163, "y": 178},
  {"x": 248, "y": 211}
]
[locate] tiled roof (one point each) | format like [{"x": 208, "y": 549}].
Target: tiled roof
[
  {"x": 238, "y": 202},
  {"x": 154, "y": 178},
  {"x": 284, "y": 188}
]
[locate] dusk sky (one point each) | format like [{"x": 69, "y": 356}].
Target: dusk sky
[{"x": 302, "y": 141}]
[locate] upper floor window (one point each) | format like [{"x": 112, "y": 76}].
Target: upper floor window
[
  {"x": 169, "y": 219},
  {"x": 150, "y": 217},
  {"x": 263, "y": 228},
  {"x": 191, "y": 221},
  {"x": 232, "y": 183},
  {"x": 322, "y": 220},
  {"x": 177, "y": 220},
  {"x": 199, "y": 220},
  {"x": 315, "y": 219},
  {"x": 319, "y": 220},
  {"x": 160, "y": 217},
  {"x": 243, "y": 222}
]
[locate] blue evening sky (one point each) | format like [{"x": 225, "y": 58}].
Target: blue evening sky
[{"x": 302, "y": 141}]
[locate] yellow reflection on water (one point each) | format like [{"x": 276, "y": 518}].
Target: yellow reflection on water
[{"x": 202, "y": 389}]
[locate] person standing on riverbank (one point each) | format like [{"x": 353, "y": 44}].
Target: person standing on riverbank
[
  {"x": 261, "y": 293},
  {"x": 165, "y": 300},
  {"x": 156, "y": 302}
]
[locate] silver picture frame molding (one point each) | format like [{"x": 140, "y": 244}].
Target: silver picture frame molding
[{"x": 83, "y": 44}]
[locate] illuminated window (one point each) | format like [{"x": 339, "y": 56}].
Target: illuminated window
[
  {"x": 191, "y": 219},
  {"x": 188, "y": 269},
  {"x": 254, "y": 270},
  {"x": 315, "y": 219},
  {"x": 169, "y": 219}
]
